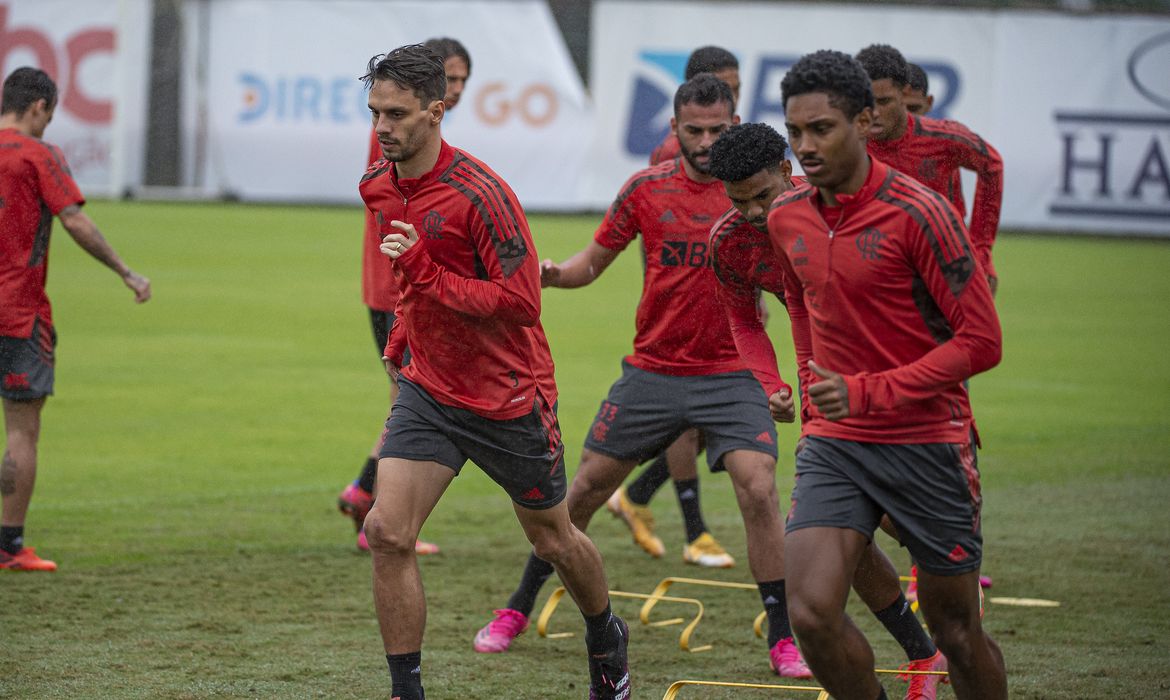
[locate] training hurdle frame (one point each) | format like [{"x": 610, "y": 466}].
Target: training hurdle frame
[
  {"x": 684, "y": 639},
  {"x": 675, "y": 688},
  {"x": 664, "y": 585}
]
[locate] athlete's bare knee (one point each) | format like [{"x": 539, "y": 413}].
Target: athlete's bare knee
[
  {"x": 813, "y": 620},
  {"x": 554, "y": 547},
  {"x": 386, "y": 537}
]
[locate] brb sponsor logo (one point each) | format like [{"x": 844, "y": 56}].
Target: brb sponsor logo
[
  {"x": 65, "y": 63},
  {"x": 1115, "y": 164},
  {"x": 659, "y": 73}
]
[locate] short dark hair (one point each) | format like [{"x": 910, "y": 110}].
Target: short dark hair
[
  {"x": 882, "y": 61},
  {"x": 836, "y": 74},
  {"x": 23, "y": 87},
  {"x": 710, "y": 59},
  {"x": 746, "y": 149},
  {"x": 703, "y": 89},
  {"x": 916, "y": 78},
  {"x": 447, "y": 47},
  {"x": 413, "y": 67}
]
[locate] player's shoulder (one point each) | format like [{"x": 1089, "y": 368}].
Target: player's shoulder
[
  {"x": 650, "y": 175},
  {"x": 947, "y": 130},
  {"x": 801, "y": 192},
  {"x": 726, "y": 225},
  {"x": 906, "y": 197},
  {"x": 379, "y": 167}
]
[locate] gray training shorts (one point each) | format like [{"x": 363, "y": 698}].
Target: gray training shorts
[
  {"x": 930, "y": 491},
  {"x": 27, "y": 364},
  {"x": 646, "y": 411}
]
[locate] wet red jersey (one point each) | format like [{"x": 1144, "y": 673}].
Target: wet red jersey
[
  {"x": 35, "y": 185},
  {"x": 470, "y": 287},
  {"x": 886, "y": 290},
  {"x": 681, "y": 327},
  {"x": 745, "y": 265},
  {"x": 933, "y": 151},
  {"x": 379, "y": 290}
]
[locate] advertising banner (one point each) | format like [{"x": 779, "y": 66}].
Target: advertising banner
[
  {"x": 1078, "y": 106},
  {"x": 288, "y": 120},
  {"x": 97, "y": 53}
]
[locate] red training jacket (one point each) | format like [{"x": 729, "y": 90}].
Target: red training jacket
[
  {"x": 932, "y": 151},
  {"x": 745, "y": 264},
  {"x": 886, "y": 291},
  {"x": 470, "y": 287}
]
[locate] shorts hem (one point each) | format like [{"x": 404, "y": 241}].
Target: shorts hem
[
  {"x": 611, "y": 454},
  {"x": 957, "y": 570},
  {"x": 828, "y": 524},
  {"x": 414, "y": 457},
  {"x": 543, "y": 505},
  {"x": 716, "y": 464},
  {"x": 25, "y": 395}
]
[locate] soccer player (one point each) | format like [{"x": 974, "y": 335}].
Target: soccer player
[
  {"x": 380, "y": 294},
  {"x": 750, "y": 161},
  {"x": 891, "y": 314},
  {"x": 916, "y": 94},
  {"x": 677, "y": 462},
  {"x": 933, "y": 151},
  {"x": 480, "y": 382},
  {"x": 35, "y": 186},
  {"x": 684, "y": 372}
]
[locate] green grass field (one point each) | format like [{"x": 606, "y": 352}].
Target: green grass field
[{"x": 191, "y": 459}]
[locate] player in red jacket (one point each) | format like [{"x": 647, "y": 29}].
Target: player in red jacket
[
  {"x": 933, "y": 151},
  {"x": 380, "y": 293},
  {"x": 480, "y": 384},
  {"x": 678, "y": 462},
  {"x": 891, "y": 313},
  {"x": 35, "y": 186},
  {"x": 750, "y": 160}
]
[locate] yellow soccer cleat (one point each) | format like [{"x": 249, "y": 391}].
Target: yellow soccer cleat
[
  {"x": 639, "y": 519},
  {"x": 706, "y": 551}
]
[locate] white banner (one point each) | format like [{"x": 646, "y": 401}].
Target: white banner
[
  {"x": 1079, "y": 106},
  {"x": 96, "y": 52},
  {"x": 288, "y": 118}
]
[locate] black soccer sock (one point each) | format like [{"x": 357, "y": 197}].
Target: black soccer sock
[
  {"x": 688, "y": 501},
  {"x": 536, "y": 572},
  {"x": 599, "y": 630},
  {"x": 882, "y": 695},
  {"x": 365, "y": 480},
  {"x": 776, "y": 606},
  {"x": 12, "y": 538},
  {"x": 904, "y": 626},
  {"x": 642, "y": 489},
  {"x": 406, "y": 675}
]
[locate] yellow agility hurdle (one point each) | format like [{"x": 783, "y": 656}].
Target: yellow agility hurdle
[
  {"x": 684, "y": 639},
  {"x": 665, "y": 584},
  {"x": 675, "y": 688}
]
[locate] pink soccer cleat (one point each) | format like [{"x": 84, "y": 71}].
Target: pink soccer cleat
[
  {"x": 924, "y": 685},
  {"x": 786, "y": 660},
  {"x": 497, "y": 635}
]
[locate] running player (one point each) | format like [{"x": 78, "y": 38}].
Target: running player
[
  {"x": 684, "y": 372},
  {"x": 933, "y": 151},
  {"x": 750, "y": 161},
  {"x": 916, "y": 94},
  {"x": 35, "y": 186},
  {"x": 380, "y": 294},
  {"x": 678, "y": 462},
  {"x": 886, "y": 331},
  {"x": 480, "y": 383}
]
